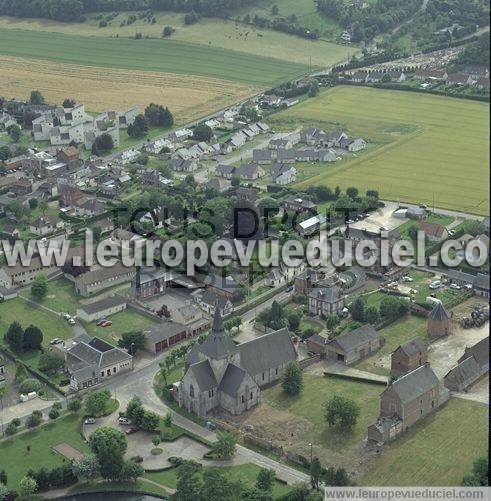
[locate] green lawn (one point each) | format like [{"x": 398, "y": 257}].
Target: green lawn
[
  {"x": 213, "y": 33},
  {"x": 149, "y": 55},
  {"x": 310, "y": 405},
  {"x": 247, "y": 473},
  {"x": 417, "y": 144},
  {"x": 124, "y": 321},
  {"x": 15, "y": 459},
  {"x": 438, "y": 451}
]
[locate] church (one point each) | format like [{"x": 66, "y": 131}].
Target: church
[{"x": 221, "y": 374}]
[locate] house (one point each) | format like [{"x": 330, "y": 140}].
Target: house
[
  {"x": 209, "y": 301},
  {"x": 225, "y": 171},
  {"x": 434, "y": 231},
  {"x": 408, "y": 356},
  {"x": 475, "y": 71},
  {"x": 214, "y": 183},
  {"x": 325, "y": 155},
  {"x": 192, "y": 317},
  {"x": 245, "y": 194},
  {"x": 483, "y": 83},
  {"x": 359, "y": 77},
  {"x": 220, "y": 374},
  {"x": 271, "y": 100},
  {"x": 11, "y": 230},
  {"x": 20, "y": 275},
  {"x": 250, "y": 171},
  {"x": 396, "y": 75},
  {"x": 283, "y": 173},
  {"x": 98, "y": 280},
  {"x": 276, "y": 277},
  {"x": 439, "y": 322},
  {"x": 69, "y": 156},
  {"x": 286, "y": 156},
  {"x": 459, "y": 79},
  {"x": 45, "y": 225},
  {"x": 405, "y": 402},
  {"x": 6, "y": 294},
  {"x": 431, "y": 74},
  {"x": 261, "y": 156},
  {"x": 325, "y": 301},
  {"x": 295, "y": 204},
  {"x": 353, "y": 144},
  {"x": 21, "y": 187},
  {"x": 90, "y": 208},
  {"x": 223, "y": 286},
  {"x": 164, "y": 335},
  {"x": 92, "y": 361},
  {"x": 101, "y": 309},
  {"x": 316, "y": 344},
  {"x": 70, "y": 195},
  {"x": 314, "y": 136},
  {"x": 305, "y": 281},
  {"x": 178, "y": 164},
  {"x": 334, "y": 138}
]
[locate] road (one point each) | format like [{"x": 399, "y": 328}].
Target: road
[{"x": 443, "y": 212}]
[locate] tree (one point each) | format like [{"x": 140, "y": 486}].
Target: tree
[
  {"x": 224, "y": 447},
  {"x": 168, "y": 420},
  {"x": 15, "y": 133},
  {"x": 36, "y": 98},
  {"x": 69, "y": 103},
  {"x": 313, "y": 89},
  {"x": 149, "y": 421},
  {"x": 4, "y": 153},
  {"x": 352, "y": 192},
  {"x": 274, "y": 10},
  {"x": 108, "y": 445},
  {"x": 3, "y": 477},
  {"x": 315, "y": 473},
  {"x": 86, "y": 467},
  {"x": 392, "y": 308},
  {"x": 39, "y": 287},
  {"x": 34, "y": 419},
  {"x": 139, "y": 127},
  {"x": 130, "y": 471},
  {"x": 96, "y": 232},
  {"x": 473, "y": 227},
  {"x": 14, "y": 337},
  {"x": 54, "y": 413},
  {"x": 292, "y": 382},
  {"x": 135, "y": 410},
  {"x": 332, "y": 321},
  {"x": 341, "y": 411},
  {"x": 218, "y": 487},
  {"x": 43, "y": 205},
  {"x": 33, "y": 338},
  {"x": 96, "y": 402},
  {"x": 74, "y": 404},
  {"x": 293, "y": 320},
  {"x": 357, "y": 309},
  {"x": 167, "y": 32},
  {"x": 159, "y": 116},
  {"x": 235, "y": 182},
  {"x": 33, "y": 203},
  {"x": 102, "y": 144},
  {"x": 29, "y": 385},
  {"x": 265, "y": 479},
  {"x": 189, "y": 483},
  {"x": 479, "y": 475},
  {"x": 336, "y": 477},
  {"x": 4, "y": 492},
  {"x": 372, "y": 315},
  {"x": 132, "y": 341},
  {"x": 202, "y": 132},
  {"x": 27, "y": 486}
]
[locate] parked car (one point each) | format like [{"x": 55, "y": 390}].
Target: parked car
[
  {"x": 407, "y": 279},
  {"x": 106, "y": 323},
  {"x": 451, "y": 232},
  {"x": 289, "y": 289},
  {"x": 124, "y": 420},
  {"x": 101, "y": 321},
  {"x": 131, "y": 430},
  {"x": 436, "y": 284},
  {"x": 72, "y": 321},
  {"x": 56, "y": 340},
  {"x": 89, "y": 420},
  {"x": 455, "y": 286},
  {"x": 66, "y": 316}
]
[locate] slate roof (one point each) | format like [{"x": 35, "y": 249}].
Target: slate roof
[
  {"x": 480, "y": 351},
  {"x": 415, "y": 383},
  {"x": 353, "y": 339},
  {"x": 232, "y": 379},
  {"x": 326, "y": 294},
  {"x": 267, "y": 351},
  {"x": 412, "y": 347},
  {"x": 103, "y": 304},
  {"x": 465, "y": 372},
  {"x": 218, "y": 344},
  {"x": 164, "y": 330},
  {"x": 214, "y": 299},
  {"x": 97, "y": 352},
  {"x": 439, "y": 313},
  {"x": 223, "y": 283},
  {"x": 204, "y": 375}
]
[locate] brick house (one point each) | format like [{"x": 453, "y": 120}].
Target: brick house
[
  {"x": 439, "y": 322},
  {"x": 354, "y": 345},
  {"x": 408, "y": 356}
]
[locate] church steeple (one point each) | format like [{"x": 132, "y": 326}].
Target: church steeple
[{"x": 217, "y": 329}]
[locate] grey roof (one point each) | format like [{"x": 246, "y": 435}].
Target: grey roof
[
  {"x": 225, "y": 169},
  {"x": 214, "y": 299},
  {"x": 226, "y": 284},
  {"x": 218, "y": 344},
  {"x": 164, "y": 330},
  {"x": 465, "y": 371},
  {"x": 193, "y": 355},
  {"x": 204, "y": 375},
  {"x": 413, "y": 347},
  {"x": 415, "y": 383},
  {"x": 247, "y": 170},
  {"x": 355, "y": 338},
  {"x": 103, "y": 274},
  {"x": 85, "y": 373},
  {"x": 267, "y": 351},
  {"x": 232, "y": 379},
  {"x": 103, "y": 304},
  {"x": 97, "y": 352},
  {"x": 261, "y": 155},
  {"x": 439, "y": 313},
  {"x": 280, "y": 168},
  {"x": 480, "y": 351},
  {"x": 326, "y": 294}
]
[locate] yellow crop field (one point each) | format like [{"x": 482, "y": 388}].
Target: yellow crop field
[{"x": 189, "y": 96}]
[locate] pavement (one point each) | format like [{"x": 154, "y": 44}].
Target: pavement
[{"x": 338, "y": 369}]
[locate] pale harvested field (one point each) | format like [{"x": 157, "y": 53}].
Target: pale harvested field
[{"x": 100, "y": 89}]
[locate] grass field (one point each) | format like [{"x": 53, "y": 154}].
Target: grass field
[
  {"x": 422, "y": 148},
  {"x": 438, "y": 451},
  {"x": 41, "y": 441},
  {"x": 208, "y": 32}
]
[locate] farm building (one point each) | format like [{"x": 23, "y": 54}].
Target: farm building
[
  {"x": 163, "y": 336},
  {"x": 439, "y": 322},
  {"x": 100, "y": 309},
  {"x": 354, "y": 345},
  {"x": 408, "y": 356}
]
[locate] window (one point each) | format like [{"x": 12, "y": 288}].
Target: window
[
  {"x": 250, "y": 398},
  {"x": 263, "y": 376},
  {"x": 191, "y": 391},
  {"x": 276, "y": 371},
  {"x": 242, "y": 398},
  {"x": 102, "y": 373}
]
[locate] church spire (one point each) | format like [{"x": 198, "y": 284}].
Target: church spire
[{"x": 217, "y": 328}]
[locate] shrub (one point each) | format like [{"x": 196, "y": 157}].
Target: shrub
[{"x": 29, "y": 384}]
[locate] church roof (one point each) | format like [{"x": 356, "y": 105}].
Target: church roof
[
  {"x": 218, "y": 344},
  {"x": 232, "y": 379},
  {"x": 203, "y": 373},
  {"x": 267, "y": 351}
]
